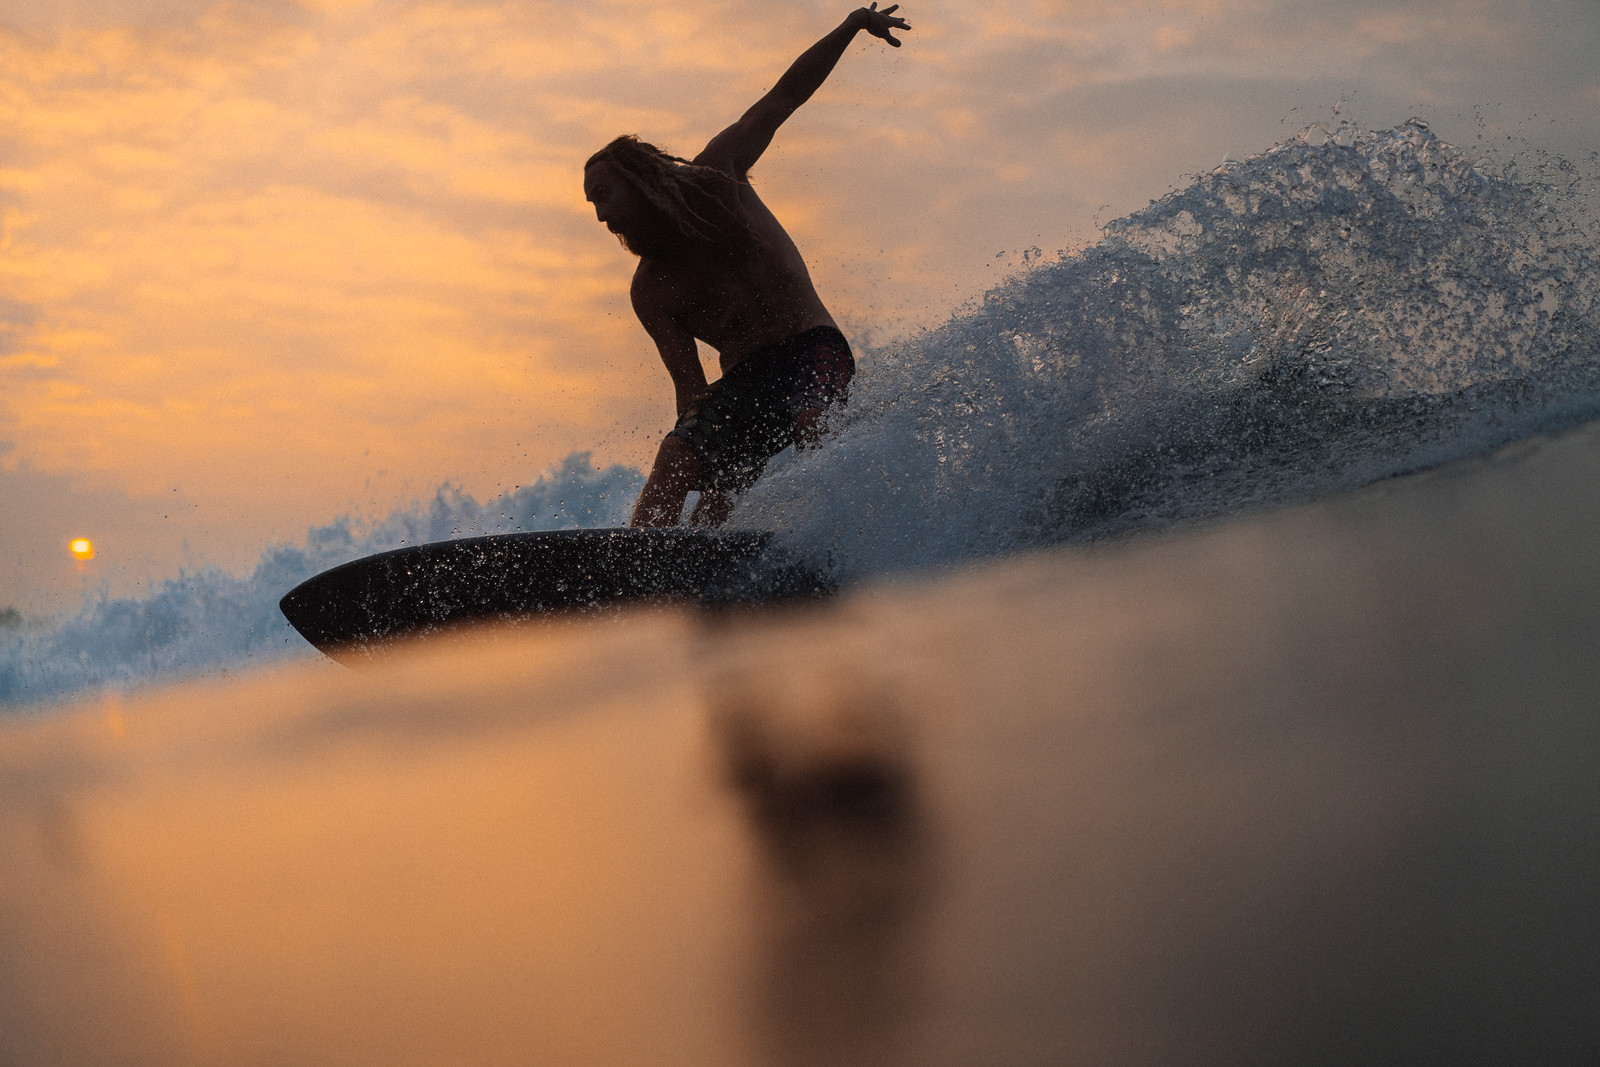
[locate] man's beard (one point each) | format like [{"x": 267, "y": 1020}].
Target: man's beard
[{"x": 656, "y": 237}]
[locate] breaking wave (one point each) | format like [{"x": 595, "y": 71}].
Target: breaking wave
[{"x": 1349, "y": 306}]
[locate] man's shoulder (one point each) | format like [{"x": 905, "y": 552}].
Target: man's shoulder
[{"x": 719, "y": 156}]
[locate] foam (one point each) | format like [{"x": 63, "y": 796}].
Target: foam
[{"x": 1348, "y": 306}]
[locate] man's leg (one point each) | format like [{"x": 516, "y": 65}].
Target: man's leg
[
  {"x": 807, "y": 428},
  {"x": 676, "y": 471},
  {"x": 712, "y": 509},
  {"x": 715, "y": 505}
]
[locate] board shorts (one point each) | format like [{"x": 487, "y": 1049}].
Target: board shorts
[{"x": 749, "y": 414}]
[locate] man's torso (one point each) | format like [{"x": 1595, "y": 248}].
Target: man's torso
[{"x": 739, "y": 297}]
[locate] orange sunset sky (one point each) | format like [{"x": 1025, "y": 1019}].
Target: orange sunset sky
[{"x": 266, "y": 263}]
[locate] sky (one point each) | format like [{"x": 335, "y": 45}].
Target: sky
[{"x": 263, "y": 264}]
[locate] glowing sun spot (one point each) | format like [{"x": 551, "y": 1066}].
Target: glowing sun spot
[{"x": 81, "y": 548}]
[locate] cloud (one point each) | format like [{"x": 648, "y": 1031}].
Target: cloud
[
  {"x": 15, "y": 321},
  {"x": 227, "y": 273}
]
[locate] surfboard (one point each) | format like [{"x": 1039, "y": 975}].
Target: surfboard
[{"x": 356, "y": 609}]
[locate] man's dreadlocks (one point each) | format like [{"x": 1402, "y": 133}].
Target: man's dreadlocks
[{"x": 694, "y": 198}]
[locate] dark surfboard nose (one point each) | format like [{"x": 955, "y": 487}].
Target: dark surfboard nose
[{"x": 350, "y": 610}]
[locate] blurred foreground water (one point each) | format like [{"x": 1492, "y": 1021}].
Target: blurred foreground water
[{"x": 1318, "y": 786}]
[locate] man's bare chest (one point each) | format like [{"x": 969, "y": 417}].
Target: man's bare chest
[{"x": 707, "y": 295}]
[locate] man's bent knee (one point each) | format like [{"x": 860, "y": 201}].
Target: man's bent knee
[
  {"x": 676, "y": 470},
  {"x": 676, "y": 459}
]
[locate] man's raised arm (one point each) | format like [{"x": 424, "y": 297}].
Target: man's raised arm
[{"x": 736, "y": 149}]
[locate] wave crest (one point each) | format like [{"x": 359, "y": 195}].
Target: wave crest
[{"x": 1347, "y": 306}]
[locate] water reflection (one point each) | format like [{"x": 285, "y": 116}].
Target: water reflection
[{"x": 822, "y": 764}]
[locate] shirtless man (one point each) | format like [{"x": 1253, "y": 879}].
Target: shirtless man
[{"x": 715, "y": 265}]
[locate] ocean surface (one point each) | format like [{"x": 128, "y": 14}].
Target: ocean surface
[{"x": 1350, "y": 306}]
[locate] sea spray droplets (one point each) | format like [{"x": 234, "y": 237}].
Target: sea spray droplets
[
  {"x": 1404, "y": 266},
  {"x": 1349, "y": 305}
]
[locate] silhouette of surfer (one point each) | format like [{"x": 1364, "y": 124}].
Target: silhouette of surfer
[{"x": 715, "y": 265}]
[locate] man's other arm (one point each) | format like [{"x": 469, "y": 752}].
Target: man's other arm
[{"x": 678, "y": 350}]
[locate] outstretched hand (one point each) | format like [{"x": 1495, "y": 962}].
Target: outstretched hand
[{"x": 879, "y": 23}]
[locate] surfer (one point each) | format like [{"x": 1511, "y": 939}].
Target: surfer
[{"x": 715, "y": 265}]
